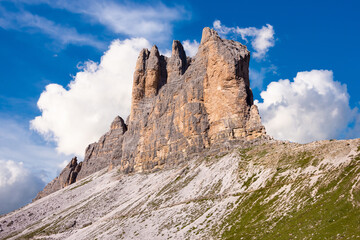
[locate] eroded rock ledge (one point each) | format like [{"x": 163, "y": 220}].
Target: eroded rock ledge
[
  {"x": 67, "y": 176},
  {"x": 180, "y": 107}
]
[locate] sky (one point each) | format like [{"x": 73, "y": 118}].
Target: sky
[{"x": 66, "y": 71}]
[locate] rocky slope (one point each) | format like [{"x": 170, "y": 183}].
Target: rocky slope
[
  {"x": 180, "y": 107},
  {"x": 193, "y": 161},
  {"x": 277, "y": 190},
  {"x": 67, "y": 176}
]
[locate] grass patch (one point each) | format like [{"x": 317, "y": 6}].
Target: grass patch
[
  {"x": 331, "y": 216},
  {"x": 300, "y": 159},
  {"x": 42, "y": 231},
  {"x": 155, "y": 203},
  {"x": 248, "y": 182},
  {"x": 262, "y": 153},
  {"x": 218, "y": 156},
  {"x": 80, "y": 185},
  {"x": 243, "y": 152}
]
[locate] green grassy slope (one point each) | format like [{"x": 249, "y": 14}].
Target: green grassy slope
[{"x": 329, "y": 209}]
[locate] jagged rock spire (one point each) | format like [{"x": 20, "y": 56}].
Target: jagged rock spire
[
  {"x": 118, "y": 124},
  {"x": 207, "y": 101},
  {"x": 181, "y": 107},
  {"x": 177, "y": 63},
  {"x": 209, "y": 34},
  {"x": 146, "y": 77},
  {"x": 138, "y": 91},
  {"x": 152, "y": 72}
]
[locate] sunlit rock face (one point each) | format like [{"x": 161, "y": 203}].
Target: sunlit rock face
[{"x": 181, "y": 107}]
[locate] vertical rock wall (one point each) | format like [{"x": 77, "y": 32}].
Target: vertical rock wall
[
  {"x": 181, "y": 107},
  {"x": 206, "y": 101}
]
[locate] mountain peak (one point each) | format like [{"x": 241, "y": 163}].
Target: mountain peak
[
  {"x": 209, "y": 34},
  {"x": 118, "y": 123},
  {"x": 176, "y": 65},
  {"x": 181, "y": 107}
]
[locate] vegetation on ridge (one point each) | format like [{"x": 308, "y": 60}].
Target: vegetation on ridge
[
  {"x": 275, "y": 190},
  {"x": 322, "y": 211}
]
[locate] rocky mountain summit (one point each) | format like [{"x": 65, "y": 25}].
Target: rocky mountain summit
[
  {"x": 193, "y": 161},
  {"x": 180, "y": 107}
]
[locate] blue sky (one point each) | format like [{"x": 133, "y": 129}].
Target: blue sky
[{"x": 93, "y": 44}]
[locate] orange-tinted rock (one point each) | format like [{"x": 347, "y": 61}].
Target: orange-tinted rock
[
  {"x": 181, "y": 107},
  {"x": 206, "y": 102},
  {"x": 227, "y": 95}
]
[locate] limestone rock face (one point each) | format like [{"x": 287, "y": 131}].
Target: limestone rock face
[
  {"x": 181, "y": 107},
  {"x": 106, "y": 152},
  {"x": 150, "y": 74},
  {"x": 205, "y": 102},
  {"x": 67, "y": 176},
  {"x": 177, "y": 63}
]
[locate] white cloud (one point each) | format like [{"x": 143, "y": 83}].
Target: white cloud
[
  {"x": 166, "y": 53},
  {"x": 151, "y": 21},
  {"x": 29, "y": 22},
  {"x": 63, "y": 164},
  {"x": 257, "y": 76},
  {"x": 312, "y": 107},
  {"x": 221, "y": 29},
  {"x": 191, "y": 48},
  {"x": 261, "y": 38},
  {"x": 17, "y": 185},
  {"x": 33, "y": 163},
  {"x": 79, "y": 115},
  {"x": 19, "y": 144}
]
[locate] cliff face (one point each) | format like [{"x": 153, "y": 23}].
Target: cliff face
[
  {"x": 181, "y": 107},
  {"x": 107, "y": 151},
  {"x": 195, "y": 118},
  {"x": 67, "y": 176}
]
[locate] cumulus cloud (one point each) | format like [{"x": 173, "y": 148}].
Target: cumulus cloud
[
  {"x": 312, "y": 107},
  {"x": 33, "y": 163},
  {"x": 17, "y": 185},
  {"x": 20, "y": 144},
  {"x": 27, "y": 21},
  {"x": 80, "y": 114},
  {"x": 190, "y": 48},
  {"x": 261, "y": 38}
]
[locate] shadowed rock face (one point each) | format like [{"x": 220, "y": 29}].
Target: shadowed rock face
[
  {"x": 181, "y": 107},
  {"x": 66, "y": 177},
  {"x": 107, "y": 151}
]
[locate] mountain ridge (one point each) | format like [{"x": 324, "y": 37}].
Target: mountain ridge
[
  {"x": 274, "y": 190},
  {"x": 180, "y": 107},
  {"x": 193, "y": 161}
]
